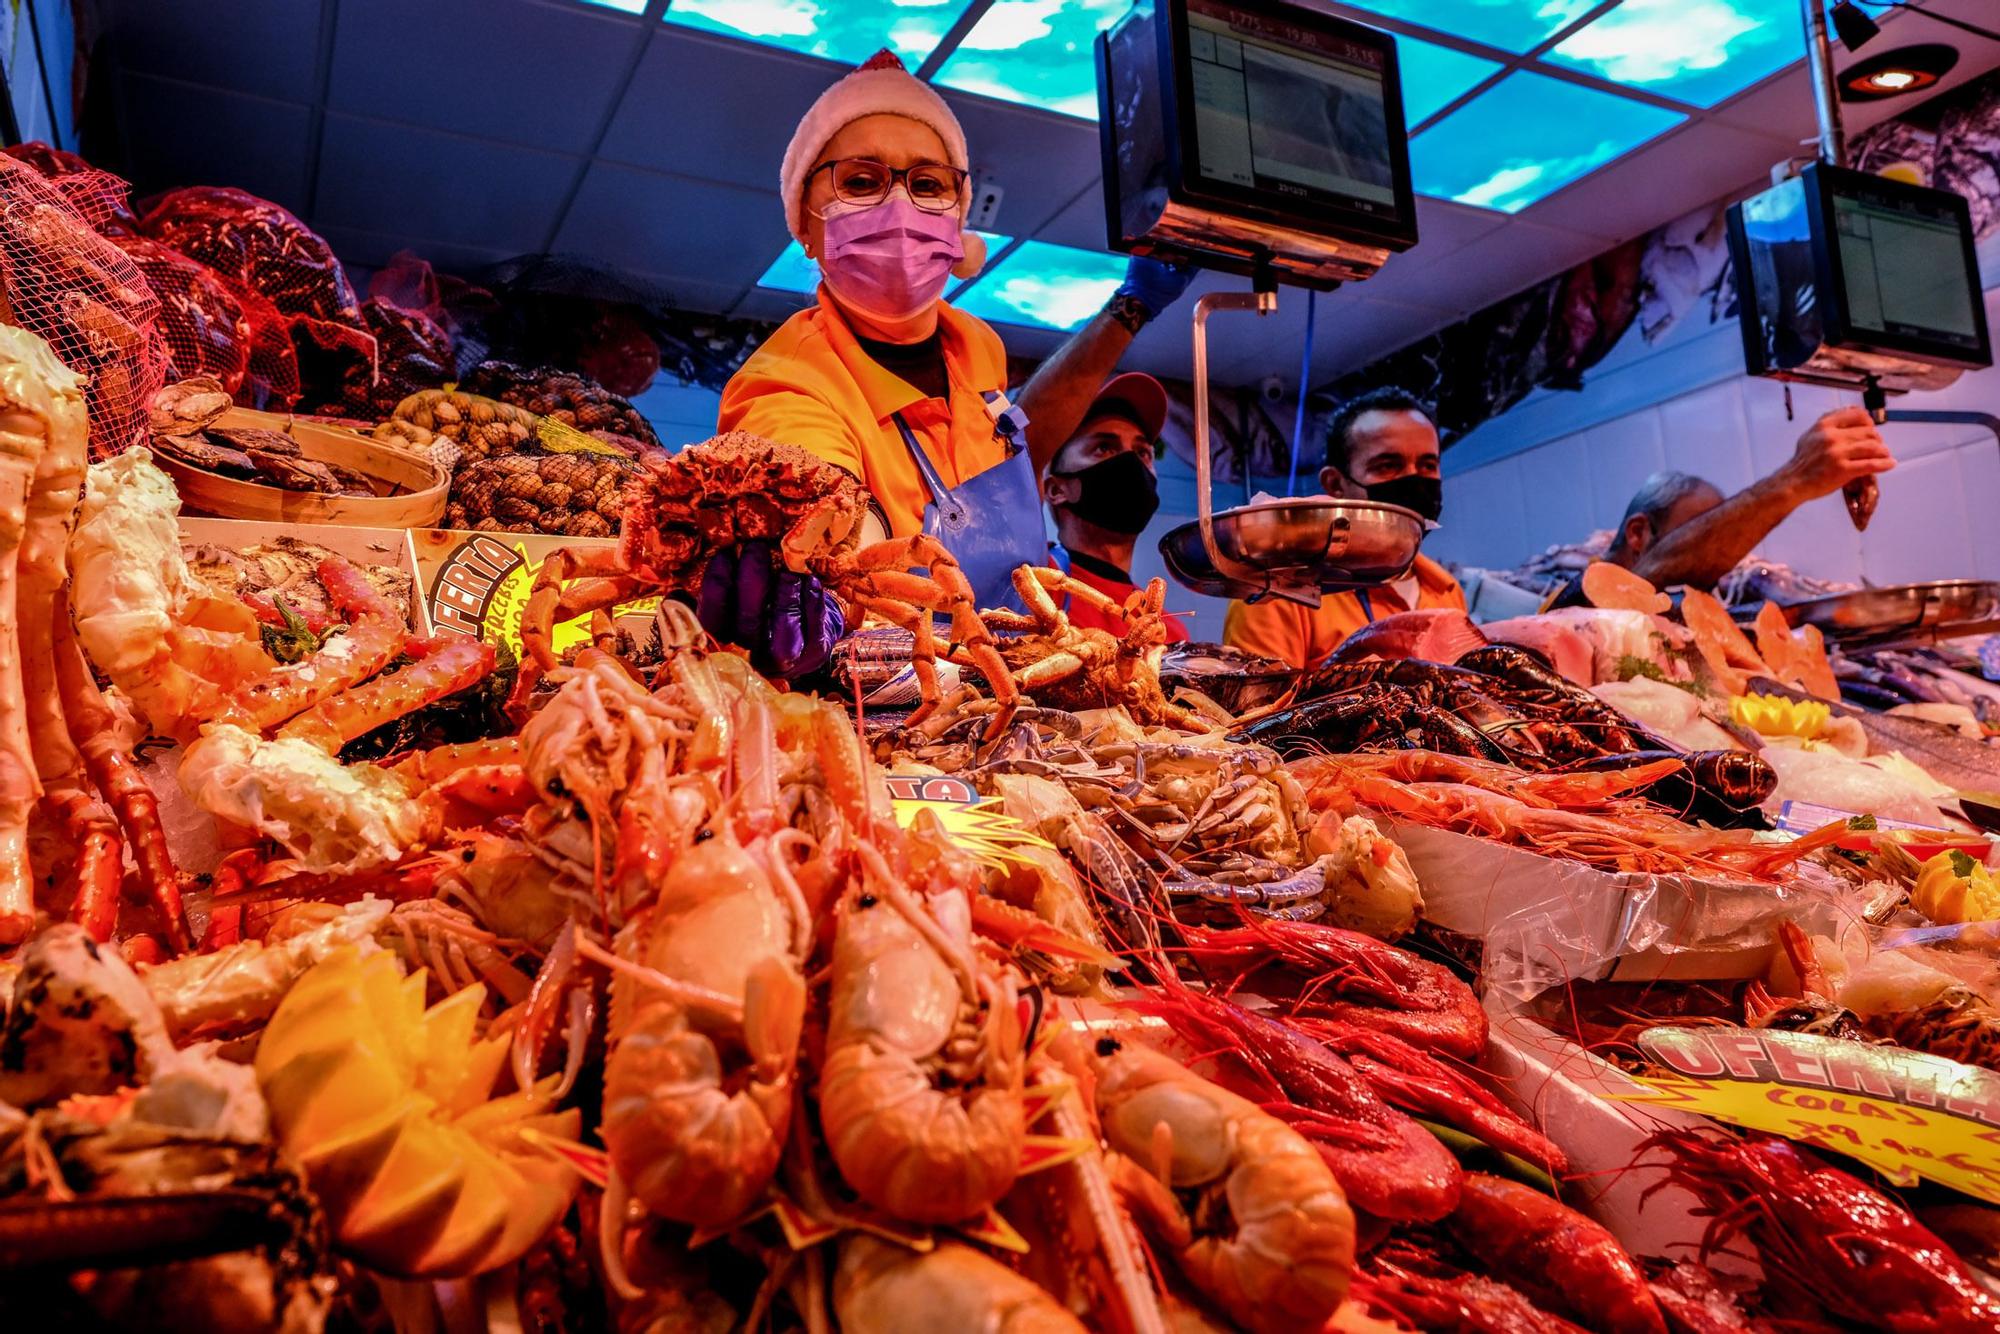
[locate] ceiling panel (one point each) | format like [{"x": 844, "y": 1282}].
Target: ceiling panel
[
  {"x": 524, "y": 71},
  {"x": 1667, "y": 177},
  {"x": 249, "y": 142},
  {"x": 669, "y": 227},
  {"x": 1526, "y": 137},
  {"x": 156, "y": 38},
  {"x": 1495, "y": 265},
  {"x": 360, "y": 249},
  {"x": 1035, "y": 52},
  {"x": 1042, "y": 162},
  {"x": 1695, "y": 51},
  {"x": 670, "y": 118},
  {"x": 382, "y": 177},
  {"x": 1043, "y": 286},
  {"x": 1434, "y": 75},
  {"x": 1510, "y": 25},
  {"x": 846, "y": 32}
]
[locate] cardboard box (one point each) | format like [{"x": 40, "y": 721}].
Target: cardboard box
[
  {"x": 1568, "y": 1093},
  {"x": 477, "y": 584},
  {"x": 363, "y": 546}
]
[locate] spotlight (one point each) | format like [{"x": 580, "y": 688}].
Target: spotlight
[
  {"x": 1907, "y": 69},
  {"x": 1853, "y": 26}
]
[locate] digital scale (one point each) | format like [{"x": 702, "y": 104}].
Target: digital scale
[{"x": 1264, "y": 139}]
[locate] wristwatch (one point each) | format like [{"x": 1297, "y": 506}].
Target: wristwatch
[{"x": 1129, "y": 311}]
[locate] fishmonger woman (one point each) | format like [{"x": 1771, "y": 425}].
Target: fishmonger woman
[{"x": 884, "y": 378}]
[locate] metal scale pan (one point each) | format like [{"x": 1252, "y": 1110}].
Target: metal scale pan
[
  {"x": 1907, "y": 613},
  {"x": 1295, "y": 549}
]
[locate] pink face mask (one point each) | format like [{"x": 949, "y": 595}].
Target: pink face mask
[{"x": 889, "y": 261}]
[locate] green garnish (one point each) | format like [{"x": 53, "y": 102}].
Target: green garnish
[
  {"x": 1631, "y": 665},
  {"x": 1861, "y": 823},
  {"x": 291, "y": 642},
  {"x": 1961, "y": 865}
]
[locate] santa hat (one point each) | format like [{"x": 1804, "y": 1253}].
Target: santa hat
[{"x": 880, "y": 86}]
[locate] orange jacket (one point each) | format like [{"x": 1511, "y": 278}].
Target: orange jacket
[
  {"x": 1302, "y": 636},
  {"x": 811, "y": 385}
]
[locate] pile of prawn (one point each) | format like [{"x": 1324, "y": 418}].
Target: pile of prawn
[{"x": 1582, "y": 817}]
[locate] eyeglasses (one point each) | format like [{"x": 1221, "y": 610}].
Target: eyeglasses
[{"x": 932, "y": 186}]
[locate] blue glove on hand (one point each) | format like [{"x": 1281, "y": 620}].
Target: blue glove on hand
[
  {"x": 1155, "y": 284},
  {"x": 786, "y": 620}
]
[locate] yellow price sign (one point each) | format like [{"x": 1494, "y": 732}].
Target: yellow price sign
[
  {"x": 975, "y": 823},
  {"x": 1907, "y": 1114},
  {"x": 481, "y": 590}
]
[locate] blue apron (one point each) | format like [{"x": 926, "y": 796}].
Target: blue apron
[{"x": 990, "y": 523}]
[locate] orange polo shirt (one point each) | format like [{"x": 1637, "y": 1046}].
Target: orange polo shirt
[
  {"x": 1119, "y": 591},
  {"x": 1302, "y": 636},
  {"x": 811, "y": 385}
]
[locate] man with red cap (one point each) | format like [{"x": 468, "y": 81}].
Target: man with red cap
[{"x": 1102, "y": 489}]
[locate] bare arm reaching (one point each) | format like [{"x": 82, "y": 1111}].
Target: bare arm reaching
[{"x": 1836, "y": 449}]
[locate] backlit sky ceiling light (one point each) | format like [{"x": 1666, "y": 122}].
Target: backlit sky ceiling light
[
  {"x": 1695, "y": 51},
  {"x": 1515, "y": 143},
  {"x": 1554, "y": 133},
  {"x": 1035, "y": 52},
  {"x": 1043, "y": 286},
  {"x": 845, "y": 31}
]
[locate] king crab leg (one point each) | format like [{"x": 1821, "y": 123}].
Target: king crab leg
[
  {"x": 112, "y": 769},
  {"x": 20, "y": 454},
  {"x": 66, "y": 793}
]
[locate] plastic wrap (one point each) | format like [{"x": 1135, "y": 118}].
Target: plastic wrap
[
  {"x": 1546, "y": 922},
  {"x": 64, "y": 282}
]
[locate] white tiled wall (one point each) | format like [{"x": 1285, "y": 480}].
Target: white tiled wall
[{"x": 1935, "y": 520}]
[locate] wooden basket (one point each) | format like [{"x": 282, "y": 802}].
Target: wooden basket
[{"x": 412, "y": 486}]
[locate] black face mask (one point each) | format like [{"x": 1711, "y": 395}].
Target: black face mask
[
  {"x": 1120, "y": 495},
  {"x": 1412, "y": 491}
]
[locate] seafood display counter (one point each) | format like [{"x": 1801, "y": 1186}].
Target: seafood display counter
[{"x": 434, "y": 928}]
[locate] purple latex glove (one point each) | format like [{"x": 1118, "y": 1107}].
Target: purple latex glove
[{"x": 786, "y": 620}]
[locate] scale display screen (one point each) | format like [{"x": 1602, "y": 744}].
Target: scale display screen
[
  {"x": 1254, "y": 134},
  {"x": 1287, "y": 109},
  {"x": 1903, "y": 267},
  {"x": 1848, "y": 278}
]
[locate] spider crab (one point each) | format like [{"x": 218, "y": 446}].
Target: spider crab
[
  {"x": 737, "y": 487},
  {"x": 1075, "y": 667}
]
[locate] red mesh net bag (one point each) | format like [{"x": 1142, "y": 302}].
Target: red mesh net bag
[
  {"x": 102, "y": 198},
  {"x": 412, "y": 353},
  {"x": 269, "y": 251},
  {"x": 64, "y": 282},
  {"x": 214, "y": 325}
]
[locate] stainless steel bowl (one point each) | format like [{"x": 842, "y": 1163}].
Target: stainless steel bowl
[
  {"x": 1905, "y": 613},
  {"x": 1297, "y": 548}
]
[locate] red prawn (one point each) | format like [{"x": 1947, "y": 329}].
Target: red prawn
[
  {"x": 1388, "y": 1164},
  {"x": 1395, "y": 1282},
  {"x": 1555, "y": 1255},
  {"x": 1826, "y": 1238},
  {"x": 1419, "y": 1083},
  {"x": 1353, "y": 977}
]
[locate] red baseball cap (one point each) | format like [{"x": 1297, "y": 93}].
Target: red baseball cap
[{"x": 1138, "y": 396}]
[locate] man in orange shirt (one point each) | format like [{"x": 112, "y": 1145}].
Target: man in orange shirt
[
  {"x": 1384, "y": 445},
  {"x": 1102, "y": 490}
]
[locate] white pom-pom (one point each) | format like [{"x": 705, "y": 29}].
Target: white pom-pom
[{"x": 974, "y": 259}]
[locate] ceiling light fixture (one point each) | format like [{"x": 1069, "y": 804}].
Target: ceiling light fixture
[
  {"x": 1853, "y": 26},
  {"x": 1907, "y": 69}
]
